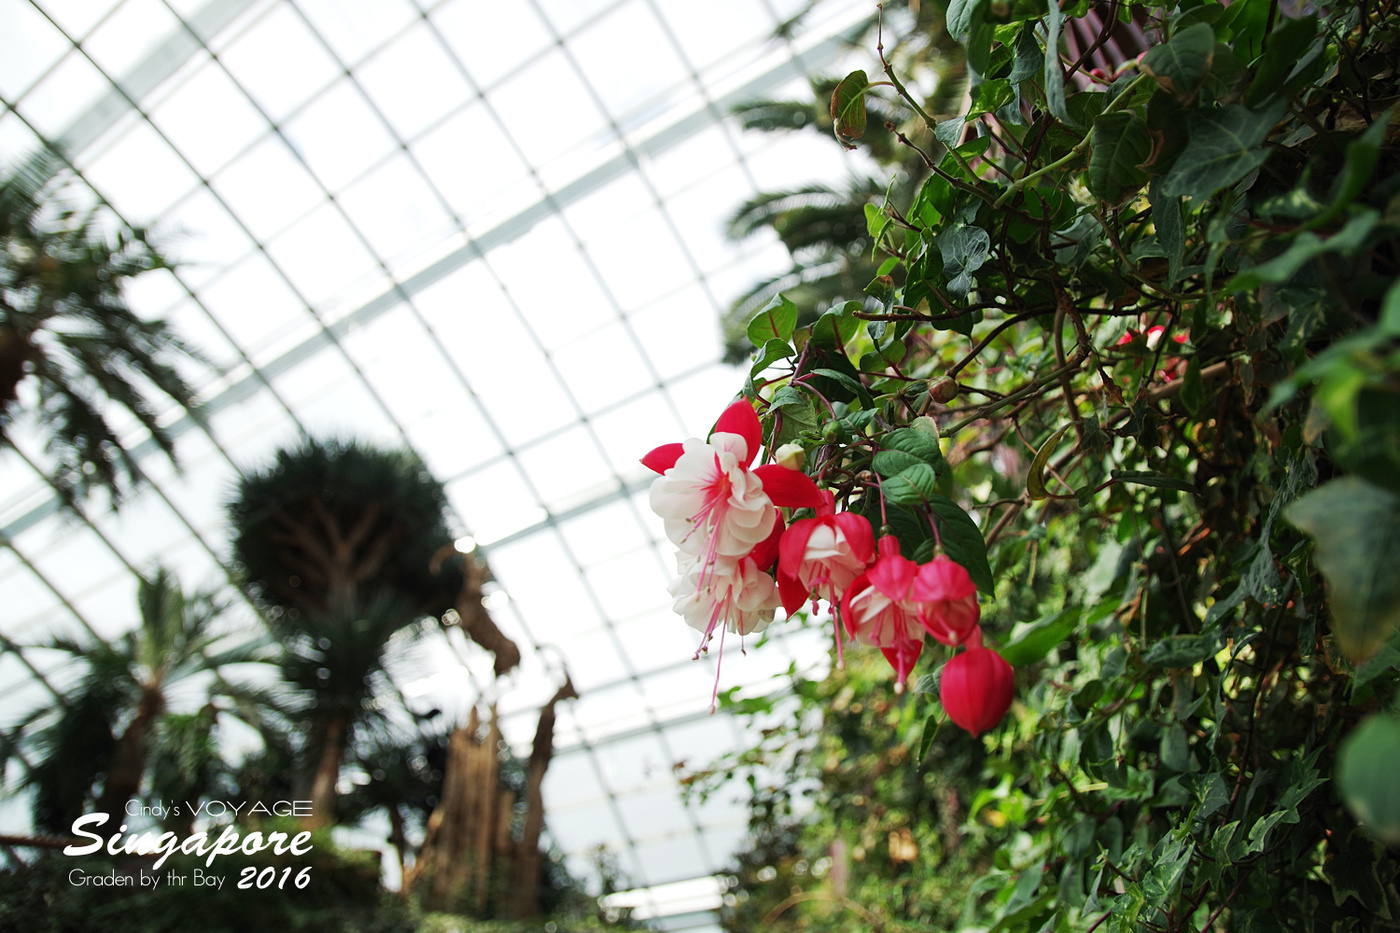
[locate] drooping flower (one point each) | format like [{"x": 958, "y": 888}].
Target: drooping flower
[
  {"x": 948, "y": 600},
  {"x": 734, "y": 594},
  {"x": 826, "y": 553},
  {"x": 880, "y": 608},
  {"x": 713, "y": 504},
  {"x": 976, "y": 687},
  {"x": 731, "y": 595}
]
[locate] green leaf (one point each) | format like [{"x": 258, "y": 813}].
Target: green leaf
[
  {"x": 1287, "y": 44},
  {"x": 964, "y": 249},
  {"x": 1359, "y": 165},
  {"x": 773, "y": 351},
  {"x": 1054, "y": 78},
  {"x": 911, "y": 486},
  {"x": 1180, "y": 65},
  {"x": 1032, "y": 641},
  {"x": 855, "y": 385},
  {"x": 889, "y": 463},
  {"x": 920, "y": 443},
  {"x": 1306, "y": 247},
  {"x": 1193, "y": 392},
  {"x": 776, "y": 321},
  {"x": 1367, "y": 764},
  {"x": 962, "y": 541},
  {"x": 1222, "y": 147},
  {"x": 1035, "y": 476},
  {"x": 1356, "y": 526},
  {"x": 1166, "y": 218},
  {"x": 848, "y": 108},
  {"x": 1181, "y": 650},
  {"x": 1149, "y": 478},
  {"x": 835, "y": 328},
  {"x": 1121, "y": 143}
]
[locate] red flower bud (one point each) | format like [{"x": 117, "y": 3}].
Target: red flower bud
[{"x": 976, "y": 689}]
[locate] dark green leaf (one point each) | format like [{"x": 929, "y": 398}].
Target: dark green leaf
[
  {"x": 913, "y": 485},
  {"x": 1193, "y": 393},
  {"x": 1166, "y": 218},
  {"x": 963, "y": 542},
  {"x": 1287, "y": 44},
  {"x": 1367, "y": 765},
  {"x": 1180, "y": 65},
  {"x": 1149, "y": 478},
  {"x": 1356, "y": 526},
  {"x": 893, "y": 462},
  {"x": 964, "y": 249},
  {"x": 1306, "y": 247},
  {"x": 1181, "y": 650},
  {"x": 1031, "y": 642},
  {"x": 773, "y": 351},
  {"x": 1121, "y": 143},
  {"x": 855, "y": 385},
  {"x": 1054, "y": 79},
  {"x": 1223, "y": 146}
]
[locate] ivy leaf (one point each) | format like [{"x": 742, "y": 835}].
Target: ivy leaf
[
  {"x": 1287, "y": 44},
  {"x": 1054, "y": 74},
  {"x": 1222, "y": 147},
  {"x": 1366, "y": 767},
  {"x": 964, "y": 250},
  {"x": 1181, "y": 65},
  {"x": 1357, "y": 529},
  {"x": 1171, "y": 236},
  {"x": 848, "y": 108},
  {"x": 1121, "y": 143},
  {"x": 1306, "y": 247},
  {"x": 776, "y": 321}
]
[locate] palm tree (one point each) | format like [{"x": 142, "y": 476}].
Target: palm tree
[
  {"x": 102, "y": 729},
  {"x": 338, "y": 539},
  {"x": 69, "y": 345}
]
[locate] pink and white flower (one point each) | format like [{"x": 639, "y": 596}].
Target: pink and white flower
[
  {"x": 734, "y": 594},
  {"x": 881, "y": 608},
  {"x": 825, "y": 554},
  {"x": 714, "y": 504},
  {"x": 947, "y": 598}
]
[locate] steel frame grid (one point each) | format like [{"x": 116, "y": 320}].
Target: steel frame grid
[{"x": 259, "y": 378}]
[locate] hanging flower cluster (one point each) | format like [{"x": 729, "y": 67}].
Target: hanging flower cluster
[{"x": 738, "y": 561}]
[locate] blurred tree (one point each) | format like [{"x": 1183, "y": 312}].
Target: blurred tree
[
  {"x": 69, "y": 345},
  {"x": 337, "y": 540},
  {"x": 104, "y": 728}
]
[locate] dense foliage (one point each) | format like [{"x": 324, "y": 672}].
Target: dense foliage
[
  {"x": 72, "y": 354},
  {"x": 1142, "y": 325}
]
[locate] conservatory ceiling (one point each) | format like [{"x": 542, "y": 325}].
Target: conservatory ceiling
[{"x": 491, "y": 231}]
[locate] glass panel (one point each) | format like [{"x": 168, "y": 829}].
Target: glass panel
[
  {"x": 33, "y": 45},
  {"x": 356, "y": 27},
  {"x": 280, "y": 62},
  {"x": 134, "y": 31},
  {"x": 209, "y": 119},
  {"x": 414, "y": 82},
  {"x": 338, "y": 135}
]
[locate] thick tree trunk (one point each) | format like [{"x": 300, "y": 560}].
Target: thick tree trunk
[
  {"x": 323, "y": 794},
  {"x": 454, "y": 865},
  {"x": 525, "y": 868},
  {"x": 128, "y": 763}
]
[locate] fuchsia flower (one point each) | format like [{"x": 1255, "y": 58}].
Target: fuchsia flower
[
  {"x": 822, "y": 556},
  {"x": 880, "y": 608},
  {"x": 736, "y": 594},
  {"x": 948, "y": 601},
  {"x": 713, "y": 504},
  {"x": 976, "y": 687}
]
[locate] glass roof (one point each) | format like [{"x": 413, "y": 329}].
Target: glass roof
[{"x": 491, "y": 231}]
